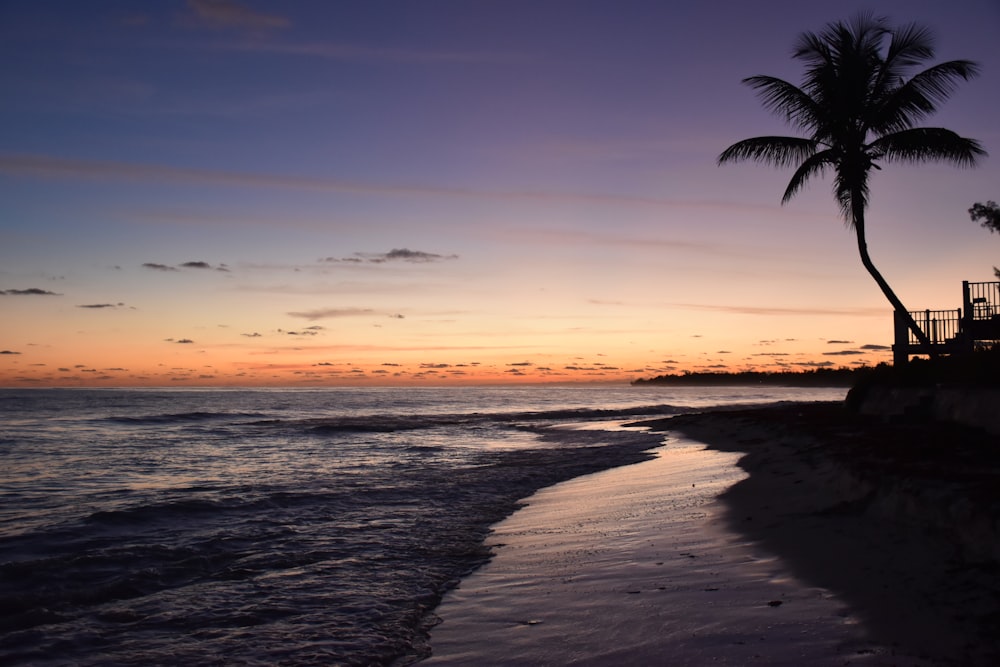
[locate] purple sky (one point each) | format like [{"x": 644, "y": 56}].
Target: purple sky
[{"x": 447, "y": 189}]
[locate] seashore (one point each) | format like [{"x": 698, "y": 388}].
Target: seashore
[{"x": 838, "y": 539}]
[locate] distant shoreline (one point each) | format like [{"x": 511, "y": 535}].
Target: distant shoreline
[{"x": 820, "y": 377}]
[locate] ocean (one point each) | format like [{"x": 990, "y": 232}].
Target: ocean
[{"x": 281, "y": 526}]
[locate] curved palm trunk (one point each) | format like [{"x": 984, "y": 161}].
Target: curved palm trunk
[{"x": 897, "y": 305}]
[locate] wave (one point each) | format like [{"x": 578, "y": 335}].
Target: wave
[
  {"x": 182, "y": 417},
  {"x": 389, "y": 423},
  {"x": 363, "y": 557},
  {"x": 210, "y": 503}
]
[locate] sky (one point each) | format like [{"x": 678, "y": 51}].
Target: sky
[{"x": 313, "y": 193}]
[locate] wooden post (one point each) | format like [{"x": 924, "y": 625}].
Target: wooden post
[
  {"x": 901, "y": 335},
  {"x": 966, "y": 299}
]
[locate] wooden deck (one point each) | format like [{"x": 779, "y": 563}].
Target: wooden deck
[{"x": 957, "y": 331}]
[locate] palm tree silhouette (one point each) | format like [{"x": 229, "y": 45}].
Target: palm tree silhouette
[{"x": 857, "y": 108}]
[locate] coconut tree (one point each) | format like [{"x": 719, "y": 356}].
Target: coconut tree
[{"x": 858, "y": 106}]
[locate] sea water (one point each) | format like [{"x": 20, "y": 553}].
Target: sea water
[{"x": 280, "y": 526}]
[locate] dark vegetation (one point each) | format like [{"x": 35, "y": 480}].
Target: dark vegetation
[
  {"x": 979, "y": 369},
  {"x": 988, "y": 215},
  {"x": 819, "y": 377}
]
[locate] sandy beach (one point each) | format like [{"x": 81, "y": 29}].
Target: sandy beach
[{"x": 777, "y": 536}]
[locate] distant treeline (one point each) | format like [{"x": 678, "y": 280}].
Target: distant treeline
[{"x": 819, "y": 377}]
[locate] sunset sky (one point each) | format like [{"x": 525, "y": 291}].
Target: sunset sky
[{"x": 223, "y": 192}]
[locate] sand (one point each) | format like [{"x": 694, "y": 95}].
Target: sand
[{"x": 689, "y": 560}]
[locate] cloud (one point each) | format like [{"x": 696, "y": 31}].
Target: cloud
[
  {"x": 196, "y": 265},
  {"x": 31, "y": 291},
  {"x": 840, "y": 342},
  {"x": 184, "y": 341},
  {"x": 765, "y": 310},
  {"x": 98, "y": 306},
  {"x": 251, "y": 335},
  {"x": 230, "y": 14},
  {"x": 46, "y": 166},
  {"x": 158, "y": 267},
  {"x": 843, "y": 353},
  {"x": 407, "y": 255},
  {"x": 329, "y": 313},
  {"x": 355, "y": 260},
  {"x": 394, "y": 255},
  {"x": 872, "y": 346},
  {"x": 354, "y": 52},
  {"x": 8, "y": 352}
]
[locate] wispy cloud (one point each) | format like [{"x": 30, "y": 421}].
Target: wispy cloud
[
  {"x": 394, "y": 255},
  {"x": 31, "y": 291},
  {"x": 44, "y": 166},
  {"x": 99, "y": 306},
  {"x": 158, "y": 267},
  {"x": 199, "y": 265},
  {"x": 231, "y": 14},
  {"x": 770, "y": 310},
  {"x": 361, "y": 53},
  {"x": 330, "y": 313},
  {"x": 204, "y": 265}
]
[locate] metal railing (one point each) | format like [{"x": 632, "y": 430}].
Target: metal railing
[
  {"x": 982, "y": 300},
  {"x": 940, "y": 326},
  {"x": 960, "y": 331}
]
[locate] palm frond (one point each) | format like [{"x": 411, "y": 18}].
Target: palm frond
[
  {"x": 855, "y": 87},
  {"x": 814, "y": 165},
  {"x": 776, "y": 151},
  {"x": 784, "y": 99},
  {"x": 919, "y": 97},
  {"x": 924, "y": 144},
  {"x": 910, "y": 45},
  {"x": 812, "y": 48}
]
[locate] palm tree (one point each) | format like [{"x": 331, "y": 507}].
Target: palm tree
[{"x": 857, "y": 108}]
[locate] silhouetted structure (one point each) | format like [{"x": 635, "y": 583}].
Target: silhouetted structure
[{"x": 957, "y": 331}]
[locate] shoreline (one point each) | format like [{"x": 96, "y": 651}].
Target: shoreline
[
  {"x": 899, "y": 520},
  {"x": 850, "y": 521}
]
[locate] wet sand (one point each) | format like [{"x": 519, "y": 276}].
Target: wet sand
[{"x": 689, "y": 560}]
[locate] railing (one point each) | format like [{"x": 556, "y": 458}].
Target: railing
[
  {"x": 949, "y": 331},
  {"x": 940, "y": 326},
  {"x": 982, "y": 300}
]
